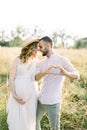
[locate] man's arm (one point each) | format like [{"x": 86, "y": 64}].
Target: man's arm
[
  {"x": 68, "y": 69},
  {"x": 73, "y": 75},
  {"x": 39, "y": 75}
]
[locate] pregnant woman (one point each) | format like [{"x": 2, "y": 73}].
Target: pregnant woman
[{"x": 22, "y": 101}]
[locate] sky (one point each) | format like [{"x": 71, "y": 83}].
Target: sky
[{"x": 49, "y": 15}]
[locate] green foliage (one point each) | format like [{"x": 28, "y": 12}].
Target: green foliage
[
  {"x": 82, "y": 82},
  {"x": 45, "y": 123},
  {"x": 17, "y": 41},
  {"x": 3, "y": 99},
  {"x": 4, "y": 43},
  {"x": 79, "y": 121},
  {"x": 3, "y": 120},
  {"x": 81, "y": 43}
]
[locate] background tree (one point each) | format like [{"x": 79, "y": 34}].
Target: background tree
[
  {"x": 81, "y": 43},
  {"x": 3, "y": 38},
  {"x": 63, "y": 36},
  {"x": 37, "y": 32},
  {"x": 55, "y": 39},
  {"x": 17, "y": 35}
]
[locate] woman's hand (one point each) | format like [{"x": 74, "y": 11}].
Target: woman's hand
[{"x": 19, "y": 100}]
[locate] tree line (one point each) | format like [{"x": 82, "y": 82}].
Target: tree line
[{"x": 60, "y": 38}]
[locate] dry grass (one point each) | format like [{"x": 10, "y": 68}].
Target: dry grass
[
  {"x": 74, "y": 106},
  {"x": 7, "y": 56}
]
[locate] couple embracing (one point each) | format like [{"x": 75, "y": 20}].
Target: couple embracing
[{"x": 25, "y": 105}]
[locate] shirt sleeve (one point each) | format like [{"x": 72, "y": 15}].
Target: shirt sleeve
[{"x": 68, "y": 65}]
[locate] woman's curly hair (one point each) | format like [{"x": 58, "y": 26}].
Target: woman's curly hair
[{"x": 26, "y": 52}]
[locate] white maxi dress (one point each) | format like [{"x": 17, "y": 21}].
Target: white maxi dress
[{"x": 23, "y": 117}]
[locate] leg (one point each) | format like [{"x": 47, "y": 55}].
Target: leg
[
  {"x": 53, "y": 112},
  {"x": 40, "y": 112}
]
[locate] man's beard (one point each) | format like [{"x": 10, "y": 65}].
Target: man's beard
[{"x": 45, "y": 52}]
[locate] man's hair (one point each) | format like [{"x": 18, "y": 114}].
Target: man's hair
[{"x": 46, "y": 39}]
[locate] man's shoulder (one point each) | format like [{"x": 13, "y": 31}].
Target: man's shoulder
[
  {"x": 58, "y": 56},
  {"x": 61, "y": 58}
]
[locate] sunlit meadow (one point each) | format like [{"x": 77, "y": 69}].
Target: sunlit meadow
[{"x": 74, "y": 103}]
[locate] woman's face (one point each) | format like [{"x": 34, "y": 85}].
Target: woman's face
[{"x": 34, "y": 51}]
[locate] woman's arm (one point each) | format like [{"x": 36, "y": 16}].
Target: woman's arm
[{"x": 11, "y": 80}]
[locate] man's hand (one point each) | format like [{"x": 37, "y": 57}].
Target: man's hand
[
  {"x": 62, "y": 71},
  {"x": 45, "y": 72},
  {"x": 57, "y": 70},
  {"x": 53, "y": 70}
]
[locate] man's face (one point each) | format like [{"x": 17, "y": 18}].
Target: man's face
[{"x": 43, "y": 48}]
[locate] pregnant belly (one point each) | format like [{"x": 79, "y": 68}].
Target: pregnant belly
[{"x": 24, "y": 88}]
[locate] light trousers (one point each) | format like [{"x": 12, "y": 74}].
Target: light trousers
[{"x": 53, "y": 112}]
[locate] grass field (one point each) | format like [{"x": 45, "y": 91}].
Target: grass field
[{"x": 74, "y": 105}]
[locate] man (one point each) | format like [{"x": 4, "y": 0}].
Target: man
[{"x": 52, "y": 70}]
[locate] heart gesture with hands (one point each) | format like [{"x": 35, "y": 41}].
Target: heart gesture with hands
[{"x": 56, "y": 70}]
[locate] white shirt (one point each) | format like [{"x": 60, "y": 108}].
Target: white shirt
[{"x": 51, "y": 85}]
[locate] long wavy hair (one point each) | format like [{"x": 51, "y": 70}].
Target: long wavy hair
[{"x": 26, "y": 52}]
